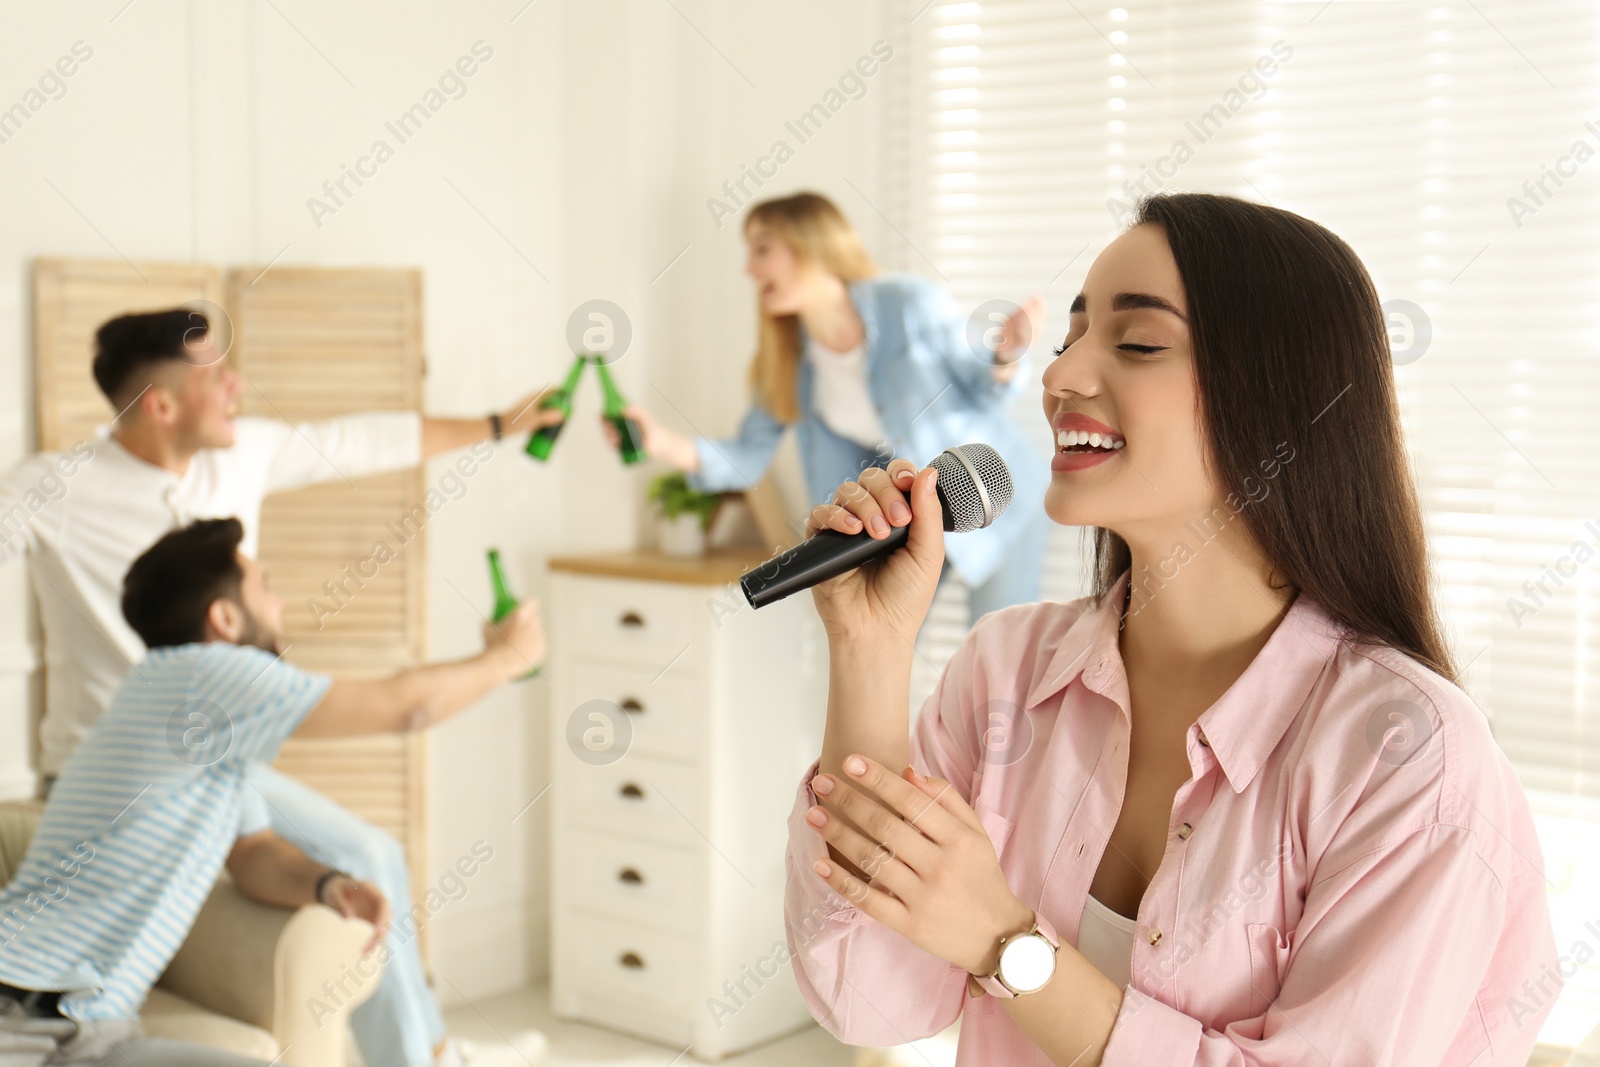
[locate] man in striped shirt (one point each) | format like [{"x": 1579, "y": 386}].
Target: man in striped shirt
[
  {"x": 162, "y": 793},
  {"x": 176, "y": 453}
]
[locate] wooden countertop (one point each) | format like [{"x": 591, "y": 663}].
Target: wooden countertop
[{"x": 718, "y": 566}]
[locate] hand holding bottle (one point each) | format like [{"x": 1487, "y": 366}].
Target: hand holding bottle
[
  {"x": 505, "y": 601},
  {"x": 626, "y": 434},
  {"x": 556, "y": 408},
  {"x": 517, "y": 639},
  {"x": 668, "y": 446},
  {"x": 529, "y": 414}
]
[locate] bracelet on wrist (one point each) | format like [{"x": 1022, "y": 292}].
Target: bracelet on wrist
[
  {"x": 322, "y": 882},
  {"x": 496, "y": 429}
]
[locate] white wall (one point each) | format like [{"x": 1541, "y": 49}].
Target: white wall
[{"x": 584, "y": 150}]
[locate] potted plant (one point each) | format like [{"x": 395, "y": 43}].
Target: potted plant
[{"x": 683, "y": 514}]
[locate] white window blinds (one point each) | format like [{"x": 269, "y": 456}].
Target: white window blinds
[{"x": 1456, "y": 147}]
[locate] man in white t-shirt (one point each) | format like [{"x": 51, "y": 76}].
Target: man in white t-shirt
[{"x": 176, "y": 453}]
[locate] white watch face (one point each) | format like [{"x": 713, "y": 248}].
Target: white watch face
[{"x": 1026, "y": 963}]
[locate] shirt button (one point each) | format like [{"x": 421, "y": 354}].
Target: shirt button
[
  {"x": 1155, "y": 937},
  {"x": 1184, "y": 831},
  {"x": 1200, "y": 735}
]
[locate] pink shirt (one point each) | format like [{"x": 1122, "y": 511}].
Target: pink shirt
[{"x": 1351, "y": 873}]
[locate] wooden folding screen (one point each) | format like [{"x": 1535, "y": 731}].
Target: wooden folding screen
[
  {"x": 71, "y": 298},
  {"x": 310, "y": 344}
]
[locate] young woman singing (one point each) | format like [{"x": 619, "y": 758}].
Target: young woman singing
[{"x": 1230, "y": 809}]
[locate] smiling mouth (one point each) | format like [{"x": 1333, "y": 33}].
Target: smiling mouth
[{"x": 1083, "y": 441}]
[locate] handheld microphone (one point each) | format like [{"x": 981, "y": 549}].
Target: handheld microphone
[{"x": 974, "y": 487}]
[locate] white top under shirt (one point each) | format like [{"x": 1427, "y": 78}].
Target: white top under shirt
[
  {"x": 1106, "y": 940},
  {"x": 840, "y": 397},
  {"x": 83, "y": 515}
]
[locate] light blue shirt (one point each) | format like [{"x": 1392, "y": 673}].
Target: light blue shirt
[
  {"x": 141, "y": 820},
  {"x": 931, "y": 392}
]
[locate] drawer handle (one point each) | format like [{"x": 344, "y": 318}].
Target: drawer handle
[
  {"x": 631, "y": 618},
  {"x": 633, "y": 705},
  {"x": 631, "y": 960},
  {"x": 631, "y": 791},
  {"x": 631, "y": 876}
]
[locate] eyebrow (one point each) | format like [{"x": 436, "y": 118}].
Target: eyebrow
[{"x": 1131, "y": 302}]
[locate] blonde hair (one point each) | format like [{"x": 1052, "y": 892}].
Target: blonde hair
[{"x": 818, "y": 233}]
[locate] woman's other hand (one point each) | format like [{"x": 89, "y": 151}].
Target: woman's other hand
[{"x": 934, "y": 877}]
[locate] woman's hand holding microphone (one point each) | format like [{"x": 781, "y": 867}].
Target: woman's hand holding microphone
[
  {"x": 883, "y": 603},
  {"x": 905, "y": 849}
]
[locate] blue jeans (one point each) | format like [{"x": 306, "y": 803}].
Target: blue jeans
[{"x": 400, "y": 1025}]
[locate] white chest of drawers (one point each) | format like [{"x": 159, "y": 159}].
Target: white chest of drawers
[{"x": 681, "y": 720}]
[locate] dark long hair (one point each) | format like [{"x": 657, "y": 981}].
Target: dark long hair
[{"x": 1290, "y": 344}]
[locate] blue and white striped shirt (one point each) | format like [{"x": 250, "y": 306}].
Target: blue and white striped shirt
[{"x": 141, "y": 820}]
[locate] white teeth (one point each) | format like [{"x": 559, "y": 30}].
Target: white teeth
[{"x": 1071, "y": 438}]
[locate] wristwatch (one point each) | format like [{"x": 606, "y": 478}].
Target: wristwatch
[{"x": 1027, "y": 961}]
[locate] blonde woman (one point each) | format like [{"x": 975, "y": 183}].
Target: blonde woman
[{"x": 867, "y": 367}]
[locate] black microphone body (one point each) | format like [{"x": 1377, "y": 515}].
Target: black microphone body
[
  {"x": 974, "y": 487},
  {"x": 824, "y": 555}
]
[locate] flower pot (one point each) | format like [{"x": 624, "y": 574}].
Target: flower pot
[{"x": 682, "y": 536}]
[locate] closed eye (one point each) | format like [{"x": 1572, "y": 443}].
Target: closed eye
[{"x": 1144, "y": 350}]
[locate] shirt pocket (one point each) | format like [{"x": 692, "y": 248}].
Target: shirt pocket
[
  {"x": 996, "y": 825},
  {"x": 1269, "y": 957}
]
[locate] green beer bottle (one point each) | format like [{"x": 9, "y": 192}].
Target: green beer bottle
[
  {"x": 544, "y": 438},
  {"x": 630, "y": 438},
  {"x": 504, "y": 602}
]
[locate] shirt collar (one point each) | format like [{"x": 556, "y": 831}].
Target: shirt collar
[
  {"x": 104, "y": 436},
  {"x": 861, "y": 296},
  {"x": 1246, "y": 723}
]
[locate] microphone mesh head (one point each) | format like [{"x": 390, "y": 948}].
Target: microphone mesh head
[{"x": 975, "y": 485}]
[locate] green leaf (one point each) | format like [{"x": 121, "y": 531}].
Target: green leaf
[{"x": 673, "y": 496}]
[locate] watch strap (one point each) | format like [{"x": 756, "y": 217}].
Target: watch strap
[
  {"x": 991, "y": 983},
  {"x": 1043, "y": 926}
]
